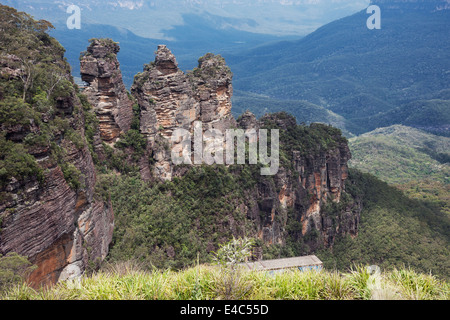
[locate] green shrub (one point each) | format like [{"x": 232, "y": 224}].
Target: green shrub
[
  {"x": 13, "y": 111},
  {"x": 16, "y": 162},
  {"x": 72, "y": 175},
  {"x": 14, "y": 269}
]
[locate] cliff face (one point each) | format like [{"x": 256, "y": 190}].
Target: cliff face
[
  {"x": 59, "y": 228},
  {"x": 170, "y": 99},
  {"x": 48, "y": 208},
  {"x": 301, "y": 192},
  {"x": 306, "y": 200},
  {"x": 106, "y": 92}
]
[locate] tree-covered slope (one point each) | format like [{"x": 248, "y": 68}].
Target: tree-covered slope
[
  {"x": 394, "y": 231},
  {"x": 414, "y": 161},
  {"x": 306, "y": 112},
  {"x": 400, "y": 154},
  {"x": 358, "y": 73},
  {"x": 38, "y": 102}
]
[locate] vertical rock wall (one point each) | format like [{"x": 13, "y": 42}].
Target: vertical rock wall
[
  {"x": 99, "y": 67},
  {"x": 300, "y": 195},
  {"x": 59, "y": 228}
]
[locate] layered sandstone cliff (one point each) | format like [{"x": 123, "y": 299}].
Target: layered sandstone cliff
[
  {"x": 54, "y": 220},
  {"x": 63, "y": 229},
  {"x": 302, "y": 191},
  {"x": 58, "y": 228}
]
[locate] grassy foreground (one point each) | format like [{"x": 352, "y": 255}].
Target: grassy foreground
[{"x": 125, "y": 281}]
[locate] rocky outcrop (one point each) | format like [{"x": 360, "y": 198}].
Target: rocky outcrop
[
  {"x": 170, "y": 99},
  {"x": 63, "y": 229},
  {"x": 322, "y": 183},
  {"x": 307, "y": 197},
  {"x": 309, "y": 188},
  {"x": 165, "y": 97},
  {"x": 99, "y": 67},
  {"x": 248, "y": 121},
  {"x": 211, "y": 81},
  {"x": 60, "y": 227}
]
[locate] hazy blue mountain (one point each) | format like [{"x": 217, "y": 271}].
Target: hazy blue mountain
[
  {"x": 149, "y": 18},
  {"x": 372, "y": 78},
  {"x": 135, "y": 51},
  {"x": 342, "y": 73}
]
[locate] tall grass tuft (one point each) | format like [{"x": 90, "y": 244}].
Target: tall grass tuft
[
  {"x": 415, "y": 286},
  {"x": 359, "y": 281}
]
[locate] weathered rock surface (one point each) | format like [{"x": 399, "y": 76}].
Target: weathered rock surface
[
  {"x": 316, "y": 182},
  {"x": 213, "y": 89},
  {"x": 170, "y": 99},
  {"x": 59, "y": 228},
  {"x": 100, "y": 68},
  {"x": 248, "y": 121},
  {"x": 165, "y": 96},
  {"x": 63, "y": 230}
]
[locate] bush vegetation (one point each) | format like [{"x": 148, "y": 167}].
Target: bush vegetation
[
  {"x": 33, "y": 120},
  {"x": 400, "y": 154},
  {"x": 14, "y": 269},
  {"x": 394, "y": 231}
]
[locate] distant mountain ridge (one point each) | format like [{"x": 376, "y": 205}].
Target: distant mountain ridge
[
  {"x": 414, "y": 4},
  {"x": 149, "y": 18},
  {"x": 135, "y": 51},
  {"x": 360, "y": 74}
]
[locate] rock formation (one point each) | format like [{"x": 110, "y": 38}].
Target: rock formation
[
  {"x": 170, "y": 99},
  {"x": 59, "y": 222},
  {"x": 302, "y": 195},
  {"x": 59, "y": 227},
  {"x": 213, "y": 89},
  {"x": 99, "y": 67}
]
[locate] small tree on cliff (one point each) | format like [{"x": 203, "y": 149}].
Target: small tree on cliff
[
  {"x": 234, "y": 252},
  {"x": 14, "y": 269},
  {"x": 230, "y": 285}
]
